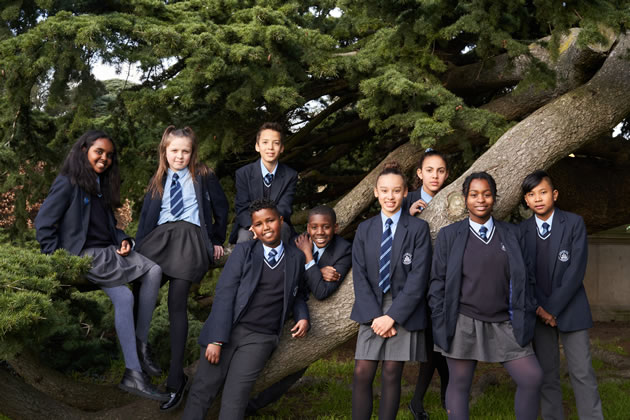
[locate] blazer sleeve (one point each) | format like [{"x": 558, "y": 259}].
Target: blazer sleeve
[
  {"x": 51, "y": 213},
  {"x": 242, "y": 199},
  {"x": 415, "y": 288},
  {"x": 366, "y": 306},
  {"x": 144, "y": 227},
  {"x": 437, "y": 290},
  {"x": 220, "y": 207},
  {"x": 573, "y": 277},
  {"x": 320, "y": 288},
  {"x": 300, "y": 309},
  {"x": 218, "y": 326},
  {"x": 285, "y": 201}
]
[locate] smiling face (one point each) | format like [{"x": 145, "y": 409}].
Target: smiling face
[
  {"x": 100, "y": 155},
  {"x": 433, "y": 174},
  {"x": 390, "y": 191},
  {"x": 178, "y": 152},
  {"x": 321, "y": 229},
  {"x": 269, "y": 145},
  {"x": 541, "y": 199},
  {"x": 479, "y": 201},
  {"x": 267, "y": 226}
]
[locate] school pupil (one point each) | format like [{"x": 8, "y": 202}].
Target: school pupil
[
  {"x": 182, "y": 228},
  {"x": 260, "y": 285},
  {"x": 431, "y": 174},
  {"x": 391, "y": 256},
  {"x": 265, "y": 178},
  {"x": 556, "y": 245},
  {"x": 328, "y": 260},
  {"x": 482, "y": 303},
  {"x": 77, "y": 215}
]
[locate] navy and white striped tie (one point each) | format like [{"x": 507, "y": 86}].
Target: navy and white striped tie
[
  {"x": 483, "y": 233},
  {"x": 268, "y": 179},
  {"x": 386, "y": 256},
  {"x": 177, "y": 199},
  {"x": 545, "y": 229},
  {"x": 271, "y": 257}
]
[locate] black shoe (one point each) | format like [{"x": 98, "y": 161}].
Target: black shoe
[
  {"x": 176, "y": 397},
  {"x": 148, "y": 365},
  {"x": 418, "y": 415},
  {"x": 139, "y": 383}
]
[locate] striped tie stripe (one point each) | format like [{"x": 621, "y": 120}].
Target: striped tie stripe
[
  {"x": 177, "y": 198},
  {"x": 385, "y": 260}
]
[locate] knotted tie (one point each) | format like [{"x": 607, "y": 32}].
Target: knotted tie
[
  {"x": 483, "y": 233},
  {"x": 271, "y": 257},
  {"x": 177, "y": 199},
  {"x": 315, "y": 256},
  {"x": 268, "y": 179},
  {"x": 545, "y": 229},
  {"x": 386, "y": 255}
]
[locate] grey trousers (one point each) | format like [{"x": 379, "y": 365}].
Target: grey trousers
[
  {"x": 578, "y": 354},
  {"x": 240, "y": 363}
]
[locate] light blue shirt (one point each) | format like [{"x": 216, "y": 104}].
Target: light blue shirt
[
  {"x": 539, "y": 222},
  {"x": 316, "y": 250},
  {"x": 191, "y": 207},
  {"x": 264, "y": 170},
  {"x": 425, "y": 196},
  {"x": 489, "y": 225},
  {"x": 279, "y": 249},
  {"x": 395, "y": 218}
]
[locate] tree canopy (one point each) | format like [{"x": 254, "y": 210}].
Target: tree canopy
[{"x": 500, "y": 86}]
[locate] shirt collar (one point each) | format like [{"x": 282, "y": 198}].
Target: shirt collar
[
  {"x": 264, "y": 170},
  {"x": 279, "y": 249},
  {"x": 395, "y": 218},
  {"x": 540, "y": 222},
  {"x": 319, "y": 250},
  {"x": 181, "y": 173},
  {"x": 476, "y": 226},
  {"x": 425, "y": 195}
]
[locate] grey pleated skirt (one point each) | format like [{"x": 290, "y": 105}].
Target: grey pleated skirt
[
  {"x": 485, "y": 341},
  {"x": 179, "y": 249},
  {"x": 404, "y": 346},
  {"x": 109, "y": 269}
]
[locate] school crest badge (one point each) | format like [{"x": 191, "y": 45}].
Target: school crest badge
[
  {"x": 563, "y": 255},
  {"x": 406, "y": 258}
]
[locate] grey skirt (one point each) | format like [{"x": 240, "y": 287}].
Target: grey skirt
[
  {"x": 179, "y": 250},
  {"x": 404, "y": 346},
  {"x": 485, "y": 341},
  {"x": 109, "y": 269}
]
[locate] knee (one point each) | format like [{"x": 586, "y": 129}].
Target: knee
[
  {"x": 155, "y": 274},
  {"x": 363, "y": 374},
  {"x": 392, "y": 371}
]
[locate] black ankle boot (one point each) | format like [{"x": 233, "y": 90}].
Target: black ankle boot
[
  {"x": 146, "y": 361},
  {"x": 139, "y": 383}
]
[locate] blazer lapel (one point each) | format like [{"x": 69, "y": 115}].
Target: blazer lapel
[
  {"x": 375, "y": 234},
  {"x": 327, "y": 254},
  {"x": 530, "y": 239},
  {"x": 557, "y": 231},
  {"x": 290, "y": 274},
  {"x": 258, "y": 258},
  {"x": 399, "y": 239},
  {"x": 255, "y": 180},
  {"x": 276, "y": 184},
  {"x": 86, "y": 205},
  {"x": 199, "y": 196},
  {"x": 459, "y": 246}
]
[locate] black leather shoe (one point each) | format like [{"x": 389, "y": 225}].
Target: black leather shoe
[
  {"x": 146, "y": 361},
  {"x": 418, "y": 415},
  {"x": 139, "y": 383},
  {"x": 175, "y": 397}
]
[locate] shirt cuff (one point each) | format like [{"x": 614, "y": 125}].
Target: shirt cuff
[{"x": 309, "y": 264}]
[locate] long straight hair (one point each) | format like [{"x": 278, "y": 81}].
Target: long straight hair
[
  {"x": 156, "y": 185},
  {"x": 80, "y": 171}
]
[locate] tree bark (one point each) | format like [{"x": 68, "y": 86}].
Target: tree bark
[{"x": 545, "y": 137}]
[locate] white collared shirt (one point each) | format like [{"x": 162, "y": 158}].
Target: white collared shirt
[
  {"x": 265, "y": 171},
  {"x": 316, "y": 250},
  {"x": 191, "y": 207},
  {"x": 476, "y": 226},
  {"x": 279, "y": 249}
]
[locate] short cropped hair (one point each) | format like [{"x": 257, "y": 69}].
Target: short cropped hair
[
  {"x": 263, "y": 203},
  {"x": 271, "y": 126},
  {"x": 324, "y": 211},
  {"x": 532, "y": 180}
]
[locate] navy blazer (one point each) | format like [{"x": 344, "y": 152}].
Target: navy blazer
[
  {"x": 237, "y": 284},
  {"x": 446, "y": 281},
  {"x": 249, "y": 187},
  {"x": 409, "y": 273},
  {"x": 64, "y": 217},
  {"x": 567, "y": 260},
  {"x": 337, "y": 254},
  {"x": 412, "y": 197},
  {"x": 213, "y": 205}
]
